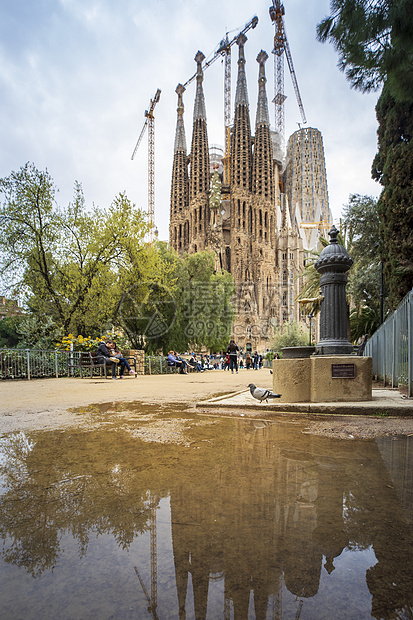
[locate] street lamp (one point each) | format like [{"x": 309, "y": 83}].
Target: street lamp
[{"x": 310, "y": 316}]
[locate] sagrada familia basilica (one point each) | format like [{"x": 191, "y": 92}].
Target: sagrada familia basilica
[{"x": 262, "y": 217}]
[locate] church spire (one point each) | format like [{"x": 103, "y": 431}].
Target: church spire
[
  {"x": 241, "y": 95},
  {"x": 199, "y": 107},
  {"x": 262, "y": 166},
  {"x": 241, "y": 143},
  {"x": 199, "y": 159},
  {"x": 178, "y": 232},
  {"x": 180, "y": 140},
  {"x": 262, "y": 116}
]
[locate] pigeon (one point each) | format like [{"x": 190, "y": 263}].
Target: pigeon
[{"x": 262, "y": 393}]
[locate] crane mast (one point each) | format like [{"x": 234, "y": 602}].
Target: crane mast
[
  {"x": 281, "y": 46},
  {"x": 150, "y": 124},
  {"x": 224, "y": 49}
]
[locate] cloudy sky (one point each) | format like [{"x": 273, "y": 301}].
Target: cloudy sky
[{"x": 76, "y": 77}]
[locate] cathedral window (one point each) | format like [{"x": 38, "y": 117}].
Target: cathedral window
[
  {"x": 285, "y": 277},
  {"x": 284, "y": 298}
]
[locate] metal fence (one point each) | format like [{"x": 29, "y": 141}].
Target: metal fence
[
  {"x": 34, "y": 364},
  {"x": 158, "y": 365},
  {"x": 37, "y": 364},
  {"x": 391, "y": 347}
]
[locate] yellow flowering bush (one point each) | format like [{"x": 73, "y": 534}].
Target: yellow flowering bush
[{"x": 82, "y": 343}]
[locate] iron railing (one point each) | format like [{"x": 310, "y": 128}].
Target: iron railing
[
  {"x": 37, "y": 364},
  {"x": 391, "y": 347}
]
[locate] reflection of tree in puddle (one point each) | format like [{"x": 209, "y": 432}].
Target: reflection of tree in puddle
[{"x": 259, "y": 507}]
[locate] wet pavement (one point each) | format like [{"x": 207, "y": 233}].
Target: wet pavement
[
  {"x": 156, "y": 512},
  {"x": 389, "y": 401}
]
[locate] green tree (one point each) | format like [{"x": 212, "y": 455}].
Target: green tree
[
  {"x": 38, "y": 332},
  {"x": 66, "y": 262},
  {"x": 374, "y": 40},
  {"x": 361, "y": 230},
  {"x": 183, "y": 304},
  {"x": 393, "y": 168},
  {"x": 9, "y": 335},
  {"x": 289, "y": 335}
]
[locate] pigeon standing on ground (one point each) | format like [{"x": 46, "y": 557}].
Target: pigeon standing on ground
[{"x": 262, "y": 393}]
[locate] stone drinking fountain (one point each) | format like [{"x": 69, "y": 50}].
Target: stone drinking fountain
[{"x": 333, "y": 373}]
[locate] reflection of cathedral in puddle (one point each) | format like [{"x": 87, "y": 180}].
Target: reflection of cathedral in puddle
[{"x": 267, "y": 523}]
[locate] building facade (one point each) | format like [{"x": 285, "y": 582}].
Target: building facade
[{"x": 253, "y": 231}]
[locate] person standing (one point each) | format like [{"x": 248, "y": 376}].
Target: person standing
[{"x": 232, "y": 352}]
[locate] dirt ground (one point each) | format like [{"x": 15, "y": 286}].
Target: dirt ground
[{"x": 59, "y": 403}]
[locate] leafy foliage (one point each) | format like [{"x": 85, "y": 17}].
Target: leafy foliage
[
  {"x": 361, "y": 230},
  {"x": 363, "y": 321},
  {"x": 393, "y": 168},
  {"x": 83, "y": 271},
  {"x": 289, "y": 335},
  {"x": 187, "y": 305},
  {"x": 374, "y": 40},
  {"x": 66, "y": 263},
  {"x": 38, "y": 332},
  {"x": 9, "y": 335}
]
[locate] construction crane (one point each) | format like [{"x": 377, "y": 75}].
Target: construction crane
[
  {"x": 152, "y": 597},
  {"x": 281, "y": 46},
  {"x": 150, "y": 123},
  {"x": 224, "y": 49}
]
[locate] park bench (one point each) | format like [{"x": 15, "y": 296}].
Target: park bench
[{"x": 88, "y": 362}]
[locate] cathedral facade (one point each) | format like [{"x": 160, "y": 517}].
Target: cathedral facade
[{"x": 255, "y": 227}]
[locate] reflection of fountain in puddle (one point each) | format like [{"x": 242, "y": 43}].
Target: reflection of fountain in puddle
[{"x": 203, "y": 517}]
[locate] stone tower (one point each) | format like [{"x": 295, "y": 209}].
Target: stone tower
[
  {"x": 306, "y": 180},
  {"x": 179, "y": 233},
  {"x": 199, "y": 174}
]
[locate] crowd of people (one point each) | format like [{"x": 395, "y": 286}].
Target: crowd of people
[{"x": 232, "y": 359}]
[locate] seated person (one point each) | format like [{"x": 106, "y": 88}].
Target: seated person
[
  {"x": 173, "y": 360},
  {"x": 195, "y": 364},
  {"x": 123, "y": 362},
  {"x": 104, "y": 354}
]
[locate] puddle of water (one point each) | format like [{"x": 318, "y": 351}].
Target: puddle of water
[{"x": 154, "y": 515}]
